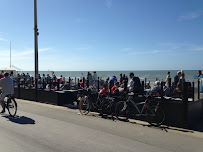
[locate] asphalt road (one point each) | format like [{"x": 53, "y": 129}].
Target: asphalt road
[{"x": 47, "y": 128}]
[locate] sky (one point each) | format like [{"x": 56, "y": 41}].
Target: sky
[{"x": 103, "y": 35}]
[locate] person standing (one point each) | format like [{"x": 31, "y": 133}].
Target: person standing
[
  {"x": 176, "y": 79},
  {"x": 168, "y": 76}
]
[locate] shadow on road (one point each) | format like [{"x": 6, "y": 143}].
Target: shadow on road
[{"x": 20, "y": 119}]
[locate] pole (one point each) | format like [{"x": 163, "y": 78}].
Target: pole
[
  {"x": 36, "y": 48},
  {"x": 10, "y": 54}
]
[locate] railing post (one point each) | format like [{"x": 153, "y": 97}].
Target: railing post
[
  {"x": 78, "y": 83},
  {"x": 87, "y": 83},
  {"x": 58, "y": 84},
  {"x": 50, "y": 85},
  {"x": 69, "y": 80},
  {"x": 83, "y": 82},
  {"x": 110, "y": 86},
  {"x": 43, "y": 83},
  {"x": 185, "y": 102},
  {"x": 162, "y": 91},
  {"x": 145, "y": 83},
  {"x": 98, "y": 84},
  {"x": 169, "y": 83},
  {"x": 193, "y": 91},
  {"x": 198, "y": 89},
  {"x": 125, "y": 85}
]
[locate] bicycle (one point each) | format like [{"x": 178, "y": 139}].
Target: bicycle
[
  {"x": 145, "y": 106},
  {"x": 86, "y": 101},
  {"x": 108, "y": 105},
  {"x": 11, "y": 105}
]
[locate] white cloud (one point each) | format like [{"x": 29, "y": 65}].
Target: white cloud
[
  {"x": 127, "y": 49},
  {"x": 148, "y": 52},
  {"x": 3, "y": 39},
  {"x": 190, "y": 16},
  {"x": 28, "y": 52},
  {"x": 198, "y": 49},
  {"x": 82, "y": 48},
  {"x": 109, "y": 3}
]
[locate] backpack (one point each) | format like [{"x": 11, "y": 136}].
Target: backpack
[{"x": 137, "y": 85}]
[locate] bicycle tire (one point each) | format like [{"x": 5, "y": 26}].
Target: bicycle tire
[
  {"x": 11, "y": 106},
  {"x": 84, "y": 105},
  {"x": 122, "y": 111},
  {"x": 155, "y": 115},
  {"x": 106, "y": 107}
]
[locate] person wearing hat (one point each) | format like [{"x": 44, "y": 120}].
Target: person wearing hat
[{"x": 7, "y": 88}]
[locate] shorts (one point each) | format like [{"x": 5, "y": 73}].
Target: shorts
[{"x": 2, "y": 96}]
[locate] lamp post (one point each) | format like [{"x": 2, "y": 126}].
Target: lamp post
[{"x": 36, "y": 48}]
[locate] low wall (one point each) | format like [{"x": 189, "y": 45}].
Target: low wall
[
  {"x": 174, "y": 112},
  {"x": 53, "y": 97},
  {"x": 195, "y": 112}
]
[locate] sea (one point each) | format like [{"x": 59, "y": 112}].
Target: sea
[{"x": 150, "y": 75}]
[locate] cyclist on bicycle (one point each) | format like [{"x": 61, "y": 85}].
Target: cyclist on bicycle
[{"x": 6, "y": 85}]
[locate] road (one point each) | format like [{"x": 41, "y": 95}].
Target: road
[{"x": 48, "y": 128}]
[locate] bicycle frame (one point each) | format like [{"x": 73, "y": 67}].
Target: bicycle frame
[{"x": 140, "y": 112}]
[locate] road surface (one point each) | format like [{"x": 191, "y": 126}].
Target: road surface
[{"x": 47, "y": 128}]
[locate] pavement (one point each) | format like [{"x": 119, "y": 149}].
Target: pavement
[{"x": 49, "y": 128}]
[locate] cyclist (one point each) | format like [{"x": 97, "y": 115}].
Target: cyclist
[{"x": 6, "y": 84}]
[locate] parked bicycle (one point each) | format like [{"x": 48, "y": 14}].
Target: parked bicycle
[
  {"x": 89, "y": 101},
  {"x": 137, "y": 107}
]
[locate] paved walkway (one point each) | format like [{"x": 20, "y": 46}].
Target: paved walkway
[{"x": 49, "y": 128}]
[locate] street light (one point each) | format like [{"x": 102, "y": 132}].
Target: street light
[{"x": 36, "y": 48}]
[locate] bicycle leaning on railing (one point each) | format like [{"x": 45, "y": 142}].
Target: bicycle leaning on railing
[
  {"x": 89, "y": 101},
  {"x": 148, "y": 107}
]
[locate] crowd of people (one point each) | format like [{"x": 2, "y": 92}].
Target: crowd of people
[{"x": 111, "y": 85}]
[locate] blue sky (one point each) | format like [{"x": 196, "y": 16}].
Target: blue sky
[{"x": 101, "y": 35}]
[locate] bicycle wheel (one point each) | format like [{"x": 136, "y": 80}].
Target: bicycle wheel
[
  {"x": 12, "y": 106},
  {"x": 106, "y": 106},
  {"x": 84, "y": 105},
  {"x": 122, "y": 111},
  {"x": 155, "y": 115}
]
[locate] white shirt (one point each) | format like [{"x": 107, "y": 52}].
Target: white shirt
[
  {"x": 131, "y": 85},
  {"x": 7, "y": 85},
  {"x": 95, "y": 77}
]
